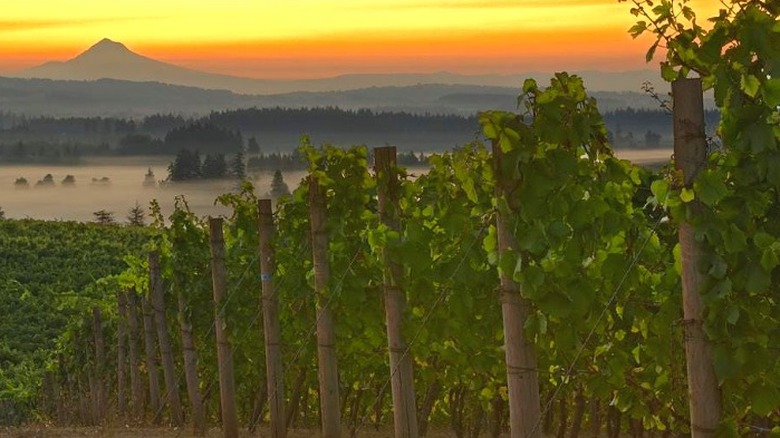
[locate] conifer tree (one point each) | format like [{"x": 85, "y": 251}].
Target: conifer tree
[
  {"x": 278, "y": 186},
  {"x": 136, "y": 217},
  {"x": 237, "y": 166}
]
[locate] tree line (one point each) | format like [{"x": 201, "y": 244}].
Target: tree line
[{"x": 50, "y": 139}]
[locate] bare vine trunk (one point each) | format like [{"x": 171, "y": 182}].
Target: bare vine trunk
[
  {"x": 191, "y": 366},
  {"x": 152, "y": 364},
  {"x": 295, "y": 399},
  {"x": 100, "y": 390},
  {"x": 136, "y": 386},
  {"x": 166, "y": 350},
  {"x": 579, "y": 414},
  {"x": 431, "y": 394},
  {"x": 121, "y": 354}
]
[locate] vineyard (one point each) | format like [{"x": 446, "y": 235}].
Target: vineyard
[{"x": 532, "y": 284}]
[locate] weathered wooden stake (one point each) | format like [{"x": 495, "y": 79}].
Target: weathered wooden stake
[
  {"x": 326, "y": 337},
  {"x": 121, "y": 354},
  {"x": 166, "y": 350},
  {"x": 227, "y": 391},
  {"x": 521, "y": 364},
  {"x": 404, "y": 409},
  {"x": 190, "y": 364},
  {"x": 271, "y": 326},
  {"x": 690, "y": 152},
  {"x": 136, "y": 386}
]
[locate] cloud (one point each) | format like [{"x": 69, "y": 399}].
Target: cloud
[
  {"x": 486, "y": 5},
  {"x": 9, "y": 26}
]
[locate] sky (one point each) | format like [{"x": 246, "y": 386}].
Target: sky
[{"x": 319, "y": 38}]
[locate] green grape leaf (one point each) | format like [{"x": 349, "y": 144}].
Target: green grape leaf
[
  {"x": 686, "y": 195},
  {"x": 559, "y": 229},
  {"x": 651, "y": 51},
  {"x": 638, "y": 29},
  {"x": 771, "y": 92},
  {"x": 763, "y": 398},
  {"x": 734, "y": 239},
  {"x": 660, "y": 189},
  {"x": 490, "y": 242},
  {"x": 732, "y": 315},
  {"x": 763, "y": 240},
  {"x": 760, "y": 137},
  {"x": 668, "y": 73},
  {"x": 710, "y": 187},
  {"x": 750, "y": 85},
  {"x": 757, "y": 279},
  {"x": 726, "y": 364},
  {"x": 529, "y": 86},
  {"x": 728, "y": 428},
  {"x": 769, "y": 259}
]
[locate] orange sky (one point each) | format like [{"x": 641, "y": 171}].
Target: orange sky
[{"x": 311, "y": 38}]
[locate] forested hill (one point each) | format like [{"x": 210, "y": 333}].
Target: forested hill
[
  {"x": 275, "y": 130},
  {"x": 47, "y": 139},
  {"x": 116, "y": 98}
]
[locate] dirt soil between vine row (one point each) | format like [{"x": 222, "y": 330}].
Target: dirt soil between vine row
[{"x": 132, "y": 432}]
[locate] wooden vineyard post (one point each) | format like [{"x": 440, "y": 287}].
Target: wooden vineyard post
[
  {"x": 151, "y": 360},
  {"x": 136, "y": 388},
  {"x": 326, "y": 338},
  {"x": 227, "y": 391},
  {"x": 166, "y": 350},
  {"x": 271, "y": 326},
  {"x": 121, "y": 354},
  {"x": 190, "y": 365},
  {"x": 521, "y": 364},
  {"x": 404, "y": 404},
  {"x": 690, "y": 152},
  {"x": 100, "y": 391}
]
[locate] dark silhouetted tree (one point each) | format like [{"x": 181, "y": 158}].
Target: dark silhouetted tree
[
  {"x": 149, "y": 180},
  {"x": 47, "y": 181},
  {"x": 214, "y": 166},
  {"x": 104, "y": 217},
  {"x": 185, "y": 167},
  {"x": 237, "y": 166},
  {"x": 253, "y": 147},
  {"x": 136, "y": 217},
  {"x": 278, "y": 186},
  {"x": 142, "y": 144},
  {"x": 652, "y": 139},
  {"x": 206, "y": 137}
]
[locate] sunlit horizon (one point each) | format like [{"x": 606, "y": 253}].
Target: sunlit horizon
[{"x": 318, "y": 38}]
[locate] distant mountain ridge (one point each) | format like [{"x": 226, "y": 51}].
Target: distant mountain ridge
[
  {"x": 111, "y": 97},
  {"x": 113, "y": 60}
]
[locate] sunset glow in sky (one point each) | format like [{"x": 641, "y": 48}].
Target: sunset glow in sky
[{"x": 311, "y": 38}]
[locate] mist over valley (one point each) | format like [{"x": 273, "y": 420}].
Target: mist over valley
[
  {"x": 112, "y": 113},
  {"x": 120, "y": 193}
]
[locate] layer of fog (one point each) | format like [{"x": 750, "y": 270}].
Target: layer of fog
[
  {"x": 126, "y": 175},
  {"x": 79, "y": 201}
]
